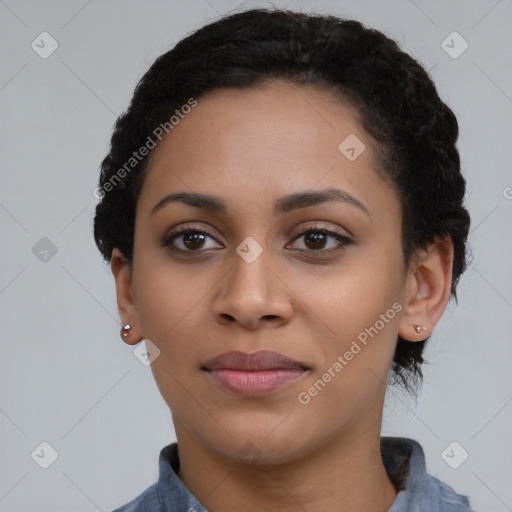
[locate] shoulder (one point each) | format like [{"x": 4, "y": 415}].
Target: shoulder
[
  {"x": 168, "y": 493},
  {"x": 449, "y": 500},
  {"x": 147, "y": 501},
  {"x": 437, "y": 496},
  {"x": 419, "y": 491}
]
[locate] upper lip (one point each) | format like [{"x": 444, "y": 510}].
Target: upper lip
[{"x": 261, "y": 360}]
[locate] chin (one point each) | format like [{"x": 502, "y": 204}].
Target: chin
[{"x": 262, "y": 445}]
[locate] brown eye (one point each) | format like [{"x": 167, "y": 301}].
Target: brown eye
[
  {"x": 193, "y": 240},
  {"x": 316, "y": 239},
  {"x": 188, "y": 240}
]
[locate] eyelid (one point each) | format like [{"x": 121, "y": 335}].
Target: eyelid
[{"x": 322, "y": 228}]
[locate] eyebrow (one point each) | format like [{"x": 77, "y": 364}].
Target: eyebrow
[{"x": 284, "y": 204}]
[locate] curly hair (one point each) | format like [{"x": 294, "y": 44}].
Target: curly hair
[{"x": 413, "y": 131}]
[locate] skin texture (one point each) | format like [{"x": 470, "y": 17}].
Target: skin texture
[{"x": 250, "y": 148}]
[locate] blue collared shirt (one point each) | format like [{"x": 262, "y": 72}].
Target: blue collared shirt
[{"x": 403, "y": 459}]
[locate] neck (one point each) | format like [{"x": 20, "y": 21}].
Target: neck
[{"x": 345, "y": 473}]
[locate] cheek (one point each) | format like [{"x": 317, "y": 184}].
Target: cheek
[
  {"x": 167, "y": 298},
  {"x": 360, "y": 305},
  {"x": 353, "y": 296},
  {"x": 171, "y": 305},
  {"x": 356, "y": 364}
]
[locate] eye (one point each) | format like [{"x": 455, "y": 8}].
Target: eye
[
  {"x": 316, "y": 238},
  {"x": 191, "y": 240}
]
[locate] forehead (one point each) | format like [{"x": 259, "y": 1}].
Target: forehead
[{"x": 252, "y": 146}]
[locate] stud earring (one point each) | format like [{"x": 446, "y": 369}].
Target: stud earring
[
  {"x": 420, "y": 328},
  {"x": 125, "y": 329}
]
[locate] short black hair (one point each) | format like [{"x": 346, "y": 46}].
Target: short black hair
[{"x": 415, "y": 133}]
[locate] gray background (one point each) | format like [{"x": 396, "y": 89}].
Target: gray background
[{"x": 66, "y": 376}]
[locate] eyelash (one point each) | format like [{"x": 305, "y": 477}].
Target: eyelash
[{"x": 344, "y": 240}]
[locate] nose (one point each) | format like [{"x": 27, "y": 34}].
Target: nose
[{"x": 253, "y": 295}]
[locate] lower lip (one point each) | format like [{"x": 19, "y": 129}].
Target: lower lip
[{"x": 255, "y": 383}]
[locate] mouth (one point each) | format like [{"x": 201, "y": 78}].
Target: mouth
[{"x": 256, "y": 374}]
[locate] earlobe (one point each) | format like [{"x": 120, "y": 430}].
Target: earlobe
[
  {"x": 427, "y": 290},
  {"x": 130, "y": 332}
]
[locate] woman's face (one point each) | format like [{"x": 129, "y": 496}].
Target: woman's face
[{"x": 252, "y": 283}]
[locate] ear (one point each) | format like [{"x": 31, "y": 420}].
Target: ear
[
  {"x": 427, "y": 289},
  {"x": 127, "y": 309}
]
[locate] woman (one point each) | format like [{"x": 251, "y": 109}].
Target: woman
[{"x": 282, "y": 209}]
